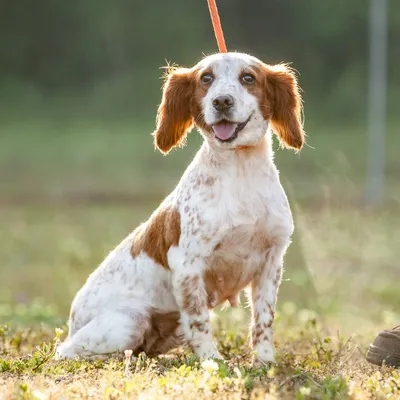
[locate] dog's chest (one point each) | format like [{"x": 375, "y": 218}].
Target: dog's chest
[
  {"x": 225, "y": 223},
  {"x": 214, "y": 203},
  {"x": 234, "y": 261}
]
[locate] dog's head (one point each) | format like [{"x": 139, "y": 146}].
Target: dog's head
[{"x": 232, "y": 98}]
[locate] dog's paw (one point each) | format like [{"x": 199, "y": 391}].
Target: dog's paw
[
  {"x": 207, "y": 351},
  {"x": 210, "y": 355},
  {"x": 263, "y": 356},
  {"x": 64, "y": 352}
]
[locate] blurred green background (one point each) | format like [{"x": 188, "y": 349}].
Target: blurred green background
[{"x": 79, "y": 89}]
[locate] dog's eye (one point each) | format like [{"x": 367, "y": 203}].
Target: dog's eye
[
  {"x": 248, "y": 79},
  {"x": 206, "y": 78}
]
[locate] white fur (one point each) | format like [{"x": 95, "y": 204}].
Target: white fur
[
  {"x": 227, "y": 69},
  {"x": 224, "y": 196}
]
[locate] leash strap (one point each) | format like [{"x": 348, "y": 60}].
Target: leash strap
[{"x": 219, "y": 34}]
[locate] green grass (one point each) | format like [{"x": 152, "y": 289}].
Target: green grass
[
  {"x": 48, "y": 251},
  {"x": 70, "y": 191},
  {"x": 60, "y": 159}
]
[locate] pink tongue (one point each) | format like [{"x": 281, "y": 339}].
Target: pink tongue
[{"x": 224, "y": 130}]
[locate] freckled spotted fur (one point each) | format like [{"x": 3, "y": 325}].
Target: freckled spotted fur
[{"x": 225, "y": 227}]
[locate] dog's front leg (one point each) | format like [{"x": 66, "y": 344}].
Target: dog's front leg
[
  {"x": 263, "y": 299},
  {"x": 191, "y": 296}
]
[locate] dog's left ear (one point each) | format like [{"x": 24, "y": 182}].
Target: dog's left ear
[
  {"x": 285, "y": 106},
  {"x": 174, "y": 118}
]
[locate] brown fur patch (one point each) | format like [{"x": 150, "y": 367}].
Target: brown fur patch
[
  {"x": 223, "y": 277},
  {"x": 271, "y": 311},
  {"x": 162, "y": 335},
  {"x": 200, "y": 326},
  {"x": 256, "y": 334},
  {"x": 209, "y": 181},
  {"x": 180, "y": 107},
  {"x": 279, "y": 99},
  {"x": 174, "y": 117},
  {"x": 165, "y": 324},
  {"x": 158, "y": 234}
]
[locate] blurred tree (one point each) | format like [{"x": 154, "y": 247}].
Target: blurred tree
[{"x": 80, "y": 44}]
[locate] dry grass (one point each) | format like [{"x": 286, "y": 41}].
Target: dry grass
[{"x": 311, "y": 365}]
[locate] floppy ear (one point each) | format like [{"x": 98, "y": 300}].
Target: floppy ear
[
  {"x": 286, "y": 106},
  {"x": 174, "y": 118}
]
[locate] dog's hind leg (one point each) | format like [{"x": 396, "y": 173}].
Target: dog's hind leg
[{"x": 109, "y": 332}]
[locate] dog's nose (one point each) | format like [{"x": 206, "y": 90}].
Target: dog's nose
[{"x": 222, "y": 103}]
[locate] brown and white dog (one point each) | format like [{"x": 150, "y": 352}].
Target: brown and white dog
[{"x": 226, "y": 226}]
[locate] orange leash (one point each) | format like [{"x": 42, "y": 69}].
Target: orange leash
[{"x": 212, "y": 6}]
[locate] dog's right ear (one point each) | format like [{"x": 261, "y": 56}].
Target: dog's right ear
[{"x": 174, "y": 118}]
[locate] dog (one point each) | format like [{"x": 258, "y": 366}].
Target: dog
[{"x": 225, "y": 227}]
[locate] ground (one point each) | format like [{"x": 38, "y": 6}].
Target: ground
[
  {"x": 66, "y": 204},
  {"x": 310, "y": 365}
]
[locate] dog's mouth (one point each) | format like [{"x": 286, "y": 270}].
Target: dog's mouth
[{"x": 227, "y": 131}]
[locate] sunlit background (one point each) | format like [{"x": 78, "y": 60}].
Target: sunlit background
[{"x": 79, "y": 89}]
